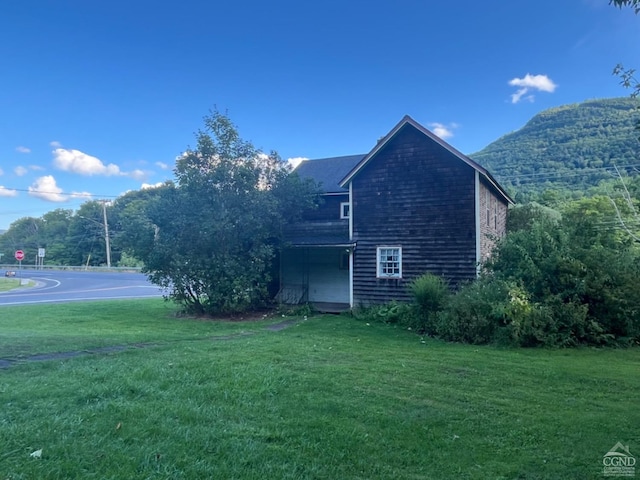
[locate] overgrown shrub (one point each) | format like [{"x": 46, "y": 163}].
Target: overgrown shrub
[
  {"x": 553, "y": 323},
  {"x": 578, "y": 272},
  {"x": 474, "y": 313},
  {"x": 393, "y": 312},
  {"x": 430, "y": 294},
  {"x": 555, "y": 280}
]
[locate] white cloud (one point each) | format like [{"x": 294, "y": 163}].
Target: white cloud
[
  {"x": 7, "y": 192},
  {"x": 537, "y": 82},
  {"x": 146, "y": 186},
  {"x": 136, "y": 174},
  {"x": 75, "y": 161},
  {"x": 294, "y": 162},
  {"x": 442, "y": 130},
  {"x": 528, "y": 83},
  {"x": 45, "y": 188},
  {"x": 20, "y": 171},
  {"x": 162, "y": 165},
  {"x": 36, "y": 168},
  {"x": 79, "y": 162},
  {"x": 1, "y": 172},
  {"x": 22, "y": 149},
  {"x": 55, "y": 144}
]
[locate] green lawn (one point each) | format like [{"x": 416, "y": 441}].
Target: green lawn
[
  {"x": 329, "y": 397},
  {"x": 9, "y": 283}
]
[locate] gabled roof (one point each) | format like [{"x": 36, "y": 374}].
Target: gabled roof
[
  {"x": 407, "y": 120},
  {"x": 328, "y": 171}
]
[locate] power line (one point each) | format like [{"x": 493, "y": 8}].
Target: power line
[
  {"x": 573, "y": 173},
  {"x": 69, "y": 194}
]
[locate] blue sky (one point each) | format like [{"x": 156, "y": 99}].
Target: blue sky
[{"x": 100, "y": 97}]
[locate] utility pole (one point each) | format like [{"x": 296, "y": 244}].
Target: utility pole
[
  {"x": 105, "y": 224},
  {"x": 106, "y": 232}
]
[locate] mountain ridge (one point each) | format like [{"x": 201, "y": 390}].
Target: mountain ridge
[{"x": 572, "y": 146}]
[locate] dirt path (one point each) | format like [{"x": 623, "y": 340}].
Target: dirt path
[{"x": 42, "y": 357}]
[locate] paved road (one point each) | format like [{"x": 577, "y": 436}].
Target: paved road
[{"x": 66, "y": 286}]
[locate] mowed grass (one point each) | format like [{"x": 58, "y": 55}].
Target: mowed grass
[
  {"x": 330, "y": 397},
  {"x": 8, "y": 283},
  {"x": 37, "y": 329}
]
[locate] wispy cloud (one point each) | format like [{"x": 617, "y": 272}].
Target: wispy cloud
[
  {"x": 55, "y": 144},
  {"x": 20, "y": 171},
  {"x": 136, "y": 174},
  {"x": 529, "y": 83},
  {"x": 442, "y": 130},
  {"x": 162, "y": 165},
  {"x": 7, "y": 192},
  {"x": 22, "y": 149},
  {"x": 75, "y": 161},
  {"x": 45, "y": 188},
  {"x": 1, "y": 172},
  {"x": 80, "y": 195}
]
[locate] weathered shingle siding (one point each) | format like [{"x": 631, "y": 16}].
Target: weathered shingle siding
[
  {"x": 416, "y": 195},
  {"x": 317, "y": 233},
  {"x": 329, "y": 208},
  {"x": 320, "y": 226},
  {"x": 493, "y": 220}
]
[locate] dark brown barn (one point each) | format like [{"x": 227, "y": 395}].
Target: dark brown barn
[{"x": 414, "y": 204}]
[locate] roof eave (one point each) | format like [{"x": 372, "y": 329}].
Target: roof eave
[{"x": 321, "y": 245}]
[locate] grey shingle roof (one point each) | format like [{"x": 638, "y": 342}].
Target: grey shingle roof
[{"x": 328, "y": 172}]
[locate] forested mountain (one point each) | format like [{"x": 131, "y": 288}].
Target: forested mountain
[{"x": 569, "y": 147}]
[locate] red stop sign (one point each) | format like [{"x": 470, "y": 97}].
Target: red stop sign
[{"x": 19, "y": 255}]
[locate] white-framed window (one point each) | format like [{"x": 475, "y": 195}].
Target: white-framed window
[
  {"x": 345, "y": 209},
  {"x": 389, "y": 261}
]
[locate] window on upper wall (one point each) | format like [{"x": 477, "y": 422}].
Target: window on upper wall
[
  {"x": 389, "y": 262},
  {"x": 345, "y": 209},
  {"x": 495, "y": 214},
  {"x": 487, "y": 201}
]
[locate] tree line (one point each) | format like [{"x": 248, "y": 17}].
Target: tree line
[{"x": 210, "y": 237}]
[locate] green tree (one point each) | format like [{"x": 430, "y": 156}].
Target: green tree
[
  {"x": 87, "y": 235},
  {"x": 55, "y": 237},
  {"x": 131, "y": 224},
  {"x": 635, "y": 4},
  {"x": 24, "y": 234},
  {"x": 627, "y": 76},
  {"x": 211, "y": 239},
  {"x": 578, "y": 271}
]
